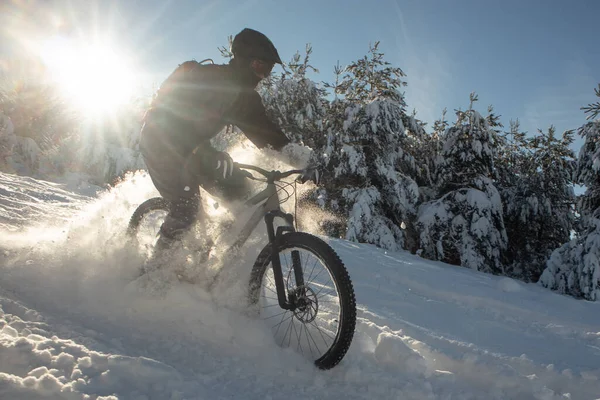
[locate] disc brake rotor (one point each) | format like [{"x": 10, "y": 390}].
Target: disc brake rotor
[{"x": 306, "y": 304}]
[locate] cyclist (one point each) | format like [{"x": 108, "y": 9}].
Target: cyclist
[{"x": 192, "y": 106}]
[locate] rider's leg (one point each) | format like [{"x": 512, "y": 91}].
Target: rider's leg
[
  {"x": 231, "y": 189},
  {"x": 180, "y": 190},
  {"x": 182, "y": 215}
]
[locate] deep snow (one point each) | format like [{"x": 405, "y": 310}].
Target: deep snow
[{"x": 73, "y": 326}]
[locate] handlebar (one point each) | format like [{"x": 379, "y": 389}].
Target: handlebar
[{"x": 271, "y": 176}]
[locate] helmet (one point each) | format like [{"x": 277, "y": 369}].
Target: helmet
[{"x": 252, "y": 44}]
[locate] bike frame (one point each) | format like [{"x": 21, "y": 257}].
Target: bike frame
[{"x": 269, "y": 209}]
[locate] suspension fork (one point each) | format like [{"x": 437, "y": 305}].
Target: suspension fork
[{"x": 275, "y": 238}]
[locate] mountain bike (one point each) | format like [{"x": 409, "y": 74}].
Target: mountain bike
[{"x": 298, "y": 283}]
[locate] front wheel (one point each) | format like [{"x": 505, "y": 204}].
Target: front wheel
[{"x": 321, "y": 323}]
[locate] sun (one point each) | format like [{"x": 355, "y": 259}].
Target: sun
[{"x": 95, "y": 78}]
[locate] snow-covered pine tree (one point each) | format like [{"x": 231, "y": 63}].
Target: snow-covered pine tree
[
  {"x": 593, "y": 109},
  {"x": 430, "y": 157},
  {"x": 297, "y": 103},
  {"x": 365, "y": 149},
  {"x": 464, "y": 225},
  {"x": 417, "y": 149},
  {"x": 512, "y": 163},
  {"x": 41, "y": 118},
  {"x": 512, "y": 155},
  {"x": 415, "y": 158},
  {"x": 587, "y": 172},
  {"x": 539, "y": 203},
  {"x": 574, "y": 268}
]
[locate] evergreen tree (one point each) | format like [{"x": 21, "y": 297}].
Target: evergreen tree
[
  {"x": 593, "y": 109},
  {"x": 416, "y": 152},
  {"x": 539, "y": 203},
  {"x": 468, "y": 150},
  {"x": 34, "y": 105},
  {"x": 513, "y": 158},
  {"x": 431, "y": 156},
  {"x": 574, "y": 268},
  {"x": 464, "y": 226},
  {"x": 512, "y": 155},
  {"x": 555, "y": 164},
  {"x": 371, "y": 78},
  {"x": 296, "y": 103},
  {"x": 588, "y": 169},
  {"x": 42, "y": 121},
  {"x": 365, "y": 151}
]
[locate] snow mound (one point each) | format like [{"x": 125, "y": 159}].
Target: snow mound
[
  {"x": 392, "y": 350},
  {"x": 35, "y": 363},
  {"x": 509, "y": 285}
]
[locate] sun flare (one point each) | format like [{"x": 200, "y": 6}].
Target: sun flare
[{"x": 95, "y": 78}]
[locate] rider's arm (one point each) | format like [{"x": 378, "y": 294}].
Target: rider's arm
[{"x": 250, "y": 116}]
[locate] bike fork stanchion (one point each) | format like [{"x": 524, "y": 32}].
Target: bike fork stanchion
[
  {"x": 275, "y": 261},
  {"x": 297, "y": 265}
]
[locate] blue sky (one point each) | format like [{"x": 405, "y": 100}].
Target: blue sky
[{"x": 533, "y": 60}]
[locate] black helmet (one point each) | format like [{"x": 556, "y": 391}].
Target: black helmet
[{"x": 254, "y": 45}]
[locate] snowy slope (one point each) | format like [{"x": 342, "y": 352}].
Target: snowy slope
[{"x": 72, "y": 325}]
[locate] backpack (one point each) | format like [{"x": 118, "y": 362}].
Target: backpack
[{"x": 177, "y": 78}]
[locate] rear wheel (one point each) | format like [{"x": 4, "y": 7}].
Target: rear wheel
[
  {"x": 321, "y": 323},
  {"x": 147, "y": 207},
  {"x": 146, "y": 220}
]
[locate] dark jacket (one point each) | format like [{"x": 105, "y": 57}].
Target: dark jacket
[{"x": 196, "y": 102}]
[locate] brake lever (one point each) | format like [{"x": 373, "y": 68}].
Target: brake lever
[{"x": 247, "y": 174}]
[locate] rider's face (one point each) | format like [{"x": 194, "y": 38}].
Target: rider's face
[{"x": 261, "y": 69}]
